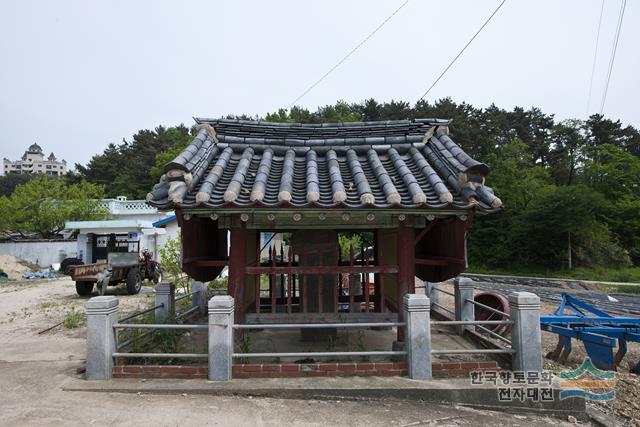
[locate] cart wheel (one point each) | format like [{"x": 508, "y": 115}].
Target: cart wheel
[
  {"x": 134, "y": 281},
  {"x": 84, "y": 289}
]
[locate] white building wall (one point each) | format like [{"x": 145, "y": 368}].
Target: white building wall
[{"x": 41, "y": 252}]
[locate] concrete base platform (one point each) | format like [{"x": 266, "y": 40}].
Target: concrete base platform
[
  {"x": 458, "y": 392},
  {"x": 370, "y": 339}
]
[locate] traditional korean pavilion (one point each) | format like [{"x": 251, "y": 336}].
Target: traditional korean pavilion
[{"x": 405, "y": 181}]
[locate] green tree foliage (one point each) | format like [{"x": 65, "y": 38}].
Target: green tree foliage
[
  {"x": 615, "y": 173},
  {"x": 42, "y": 206},
  {"x": 127, "y": 169},
  {"x": 564, "y": 184},
  {"x": 9, "y": 182},
  {"x": 171, "y": 261},
  {"x": 179, "y": 142},
  {"x": 606, "y": 131},
  {"x": 562, "y": 215}
]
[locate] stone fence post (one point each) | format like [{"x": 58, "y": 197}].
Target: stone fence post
[
  {"x": 525, "y": 336},
  {"x": 165, "y": 295},
  {"x": 102, "y": 314},
  {"x": 463, "y": 290},
  {"x": 221, "y": 308},
  {"x": 418, "y": 338},
  {"x": 432, "y": 293},
  {"x": 199, "y": 298}
]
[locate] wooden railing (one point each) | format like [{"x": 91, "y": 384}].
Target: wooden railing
[{"x": 359, "y": 284}]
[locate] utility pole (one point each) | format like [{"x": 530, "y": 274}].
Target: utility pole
[{"x": 569, "y": 244}]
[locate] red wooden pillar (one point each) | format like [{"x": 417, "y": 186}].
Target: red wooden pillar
[
  {"x": 377, "y": 305},
  {"x": 406, "y": 270},
  {"x": 237, "y": 264}
]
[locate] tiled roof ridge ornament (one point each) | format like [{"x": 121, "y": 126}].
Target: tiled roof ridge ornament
[
  {"x": 186, "y": 171},
  {"x": 211, "y": 132},
  {"x": 179, "y": 183},
  {"x": 470, "y": 179}
]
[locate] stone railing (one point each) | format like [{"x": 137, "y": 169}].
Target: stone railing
[
  {"x": 524, "y": 345},
  {"x": 124, "y": 207}
]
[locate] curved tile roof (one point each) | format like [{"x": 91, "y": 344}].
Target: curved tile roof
[{"x": 401, "y": 163}]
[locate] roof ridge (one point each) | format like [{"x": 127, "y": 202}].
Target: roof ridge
[{"x": 265, "y": 123}]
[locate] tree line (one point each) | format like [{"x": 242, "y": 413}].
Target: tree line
[{"x": 571, "y": 189}]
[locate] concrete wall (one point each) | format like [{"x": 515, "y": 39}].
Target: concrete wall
[{"x": 41, "y": 252}]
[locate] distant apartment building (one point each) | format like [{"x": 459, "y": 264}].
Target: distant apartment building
[{"x": 34, "y": 161}]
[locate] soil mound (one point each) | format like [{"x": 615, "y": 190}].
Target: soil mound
[{"x": 14, "y": 267}]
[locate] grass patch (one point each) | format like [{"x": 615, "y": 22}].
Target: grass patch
[
  {"x": 628, "y": 289},
  {"x": 621, "y": 289},
  {"x": 47, "y": 305},
  {"x": 73, "y": 318},
  {"x": 630, "y": 274},
  {"x": 220, "y": 283}
]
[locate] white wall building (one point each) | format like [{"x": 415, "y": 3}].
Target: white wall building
[
  {"x": 131, "y": 228},
  {"x": 34, "y": 161}
]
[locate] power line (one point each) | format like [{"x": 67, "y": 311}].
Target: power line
[
  {"x": 351, "y": 52},
  {"x": 463, "y": 49},
  {"x": 595, "y": 56},
  {"x": 623, "y": 6}
]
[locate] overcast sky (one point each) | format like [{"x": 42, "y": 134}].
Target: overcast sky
[{"x": 77, "y": 75}]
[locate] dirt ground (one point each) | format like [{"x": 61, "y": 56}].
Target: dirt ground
[
  {"x": 35, "y": 366},
  {"x": 626, "y": 406},
  {"x": 15, "y": 267}
]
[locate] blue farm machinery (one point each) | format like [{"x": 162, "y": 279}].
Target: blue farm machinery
[{"x": 600, "y": 332}]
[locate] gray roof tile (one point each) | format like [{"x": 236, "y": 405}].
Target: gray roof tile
[{"x": 401, "y": 163}]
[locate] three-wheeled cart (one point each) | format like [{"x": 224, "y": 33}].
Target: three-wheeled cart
[{"x": 120, "y": 267}]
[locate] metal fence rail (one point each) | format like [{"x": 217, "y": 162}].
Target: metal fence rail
[
  {"x": 318, "y": 325},
  {"x": 472, "y": 322},
  {"x": 185, "y": 296},
  {"x": 495, "y": 335},
  {"x": 152, "y": 328},
  {"x": 164, "y": 355},
  {"x": 435, "y": 288},
  {"x": 478, "y": 324},
  {"x": 139, "y": 313},
  {"x": 443, "y": 308},
  {"x": 475, "y": 351},
  {"x": 486, "y": 307},
  {"x": 159, "y": 326},
  {"x": 323, "y": 354},
  {"x": 120, "y": 346},
  {"x": 186, "y": 313}
]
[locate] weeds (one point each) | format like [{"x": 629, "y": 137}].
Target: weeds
[
  {"x": 72, "y": 318},
  {"x": 48, "y": 305},
  {"x": 360, "y": 346},
  {"x": 244, "y": 345},
  {"x": 624, "y": 289},
  {"x": 628, "y": 274}
]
